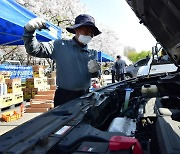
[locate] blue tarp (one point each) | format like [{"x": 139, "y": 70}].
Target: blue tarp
[
  {"x": 13, "y": 17},
  {"x": 102, "y": 57}
]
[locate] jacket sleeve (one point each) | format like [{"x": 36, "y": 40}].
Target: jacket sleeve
[{"x": 36, "y": 48}]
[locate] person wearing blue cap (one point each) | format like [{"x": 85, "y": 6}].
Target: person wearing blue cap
[{"x": 75, "y": 63}]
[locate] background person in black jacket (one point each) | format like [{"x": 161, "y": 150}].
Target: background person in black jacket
[{"x": 120, "y": 68}]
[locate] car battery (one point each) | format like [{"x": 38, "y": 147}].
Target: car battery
[{"x": 98, "y": 148}]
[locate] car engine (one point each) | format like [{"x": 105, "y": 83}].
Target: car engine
[
  {"x": 147, "y": 109},
  {"x": 140, "y": 115}
]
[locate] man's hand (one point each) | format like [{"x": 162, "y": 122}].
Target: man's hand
[
  {"x": 35, "y": 23},
  {"x": 93, "y": 66}
]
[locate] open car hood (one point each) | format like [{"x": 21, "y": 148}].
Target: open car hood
[{"x": 162, "y": 18}]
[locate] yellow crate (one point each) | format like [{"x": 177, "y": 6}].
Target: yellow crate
[
  {"x": 34, "y": 91},
  {"x": 14, "y": 89},
  {"x": 51, "y": 81},
  {"x": 5, "y": 74},
  {"x": 27, "y": 93},
  {"x": 44, "y": 80},
  {"x": 33, "y": 82},
  {"x": 10, "y": 117},
  {"x": 38, "y": 71},
  {"x": 13, "y": 85},
  {"x": 6, "y": 100},
  {"x": 1, "y": 101},
  {"x": 38, "y": 68},
  {"x": 46, "y": 87},
  {"x": 38, "y": 74},
  {"x": 18, "y": 97},
  {"x": 13, "y": 81}
]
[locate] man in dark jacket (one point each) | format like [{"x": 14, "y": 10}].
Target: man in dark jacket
[
  {"x": 120, "y": 67},
  {"x": 75, "y": 63}
]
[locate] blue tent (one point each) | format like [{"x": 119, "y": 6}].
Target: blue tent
[
  {"x": 102, "y": 57},
  {"x": 13, "y": 17}
]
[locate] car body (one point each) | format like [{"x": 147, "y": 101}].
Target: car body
[
  {"x": 139, "y": 115},
  {"x": 156, "y": 67},
  {"x": 107, "y": 71},
  {"x": 132, "y": 70}
]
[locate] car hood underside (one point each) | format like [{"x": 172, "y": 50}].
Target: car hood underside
[{"x": 162, "y": 18}]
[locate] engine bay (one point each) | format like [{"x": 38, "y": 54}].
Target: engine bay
[
  {"x": 140, "y": 115},
  {"x": 145, "y": 109}
]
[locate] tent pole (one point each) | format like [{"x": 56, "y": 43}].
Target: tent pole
[{"x": 101, "y": 63}]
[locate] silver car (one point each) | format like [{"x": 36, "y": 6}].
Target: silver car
[{"x": 131, "y": 70}]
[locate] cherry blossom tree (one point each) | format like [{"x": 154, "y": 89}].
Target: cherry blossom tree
[
  {"x": 107, "y": 42},
  {"x": 62, "y": 13}
]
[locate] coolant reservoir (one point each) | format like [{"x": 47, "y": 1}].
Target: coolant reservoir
[{"x": 149, "y": 90}]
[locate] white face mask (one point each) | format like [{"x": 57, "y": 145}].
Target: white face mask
[{"x": 84, "y": 39}]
